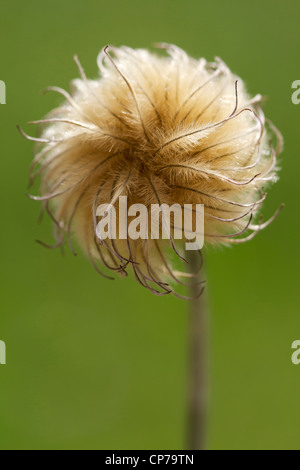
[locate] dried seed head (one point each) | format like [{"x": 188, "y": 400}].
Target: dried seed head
[{"x": 158, "y": 129}]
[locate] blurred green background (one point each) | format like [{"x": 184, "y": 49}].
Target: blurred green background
[{"x": 93, "y": 364}]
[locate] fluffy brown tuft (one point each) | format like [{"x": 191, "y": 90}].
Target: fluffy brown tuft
[{"x": 159, "y": 129}]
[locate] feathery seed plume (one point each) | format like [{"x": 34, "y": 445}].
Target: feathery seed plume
[{"x": 159, "y": 129}]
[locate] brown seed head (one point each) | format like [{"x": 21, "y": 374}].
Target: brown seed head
[{"x": 158, "y": 129}]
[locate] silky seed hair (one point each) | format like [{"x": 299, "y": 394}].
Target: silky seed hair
[{"x": 160, "y": 129}]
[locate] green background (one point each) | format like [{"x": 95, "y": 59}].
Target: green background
[{"x": 93, "y": 364}]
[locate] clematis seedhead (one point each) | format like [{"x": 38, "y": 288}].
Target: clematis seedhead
[{"x": 158, "y": 128}]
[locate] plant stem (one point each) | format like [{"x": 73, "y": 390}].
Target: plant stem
[{"x": 197, "y": 394}]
